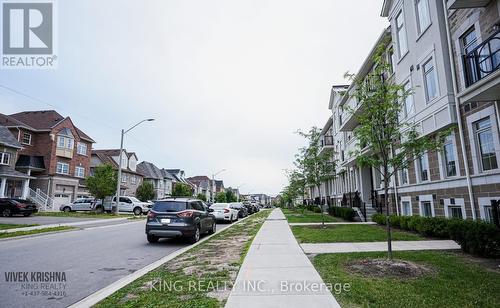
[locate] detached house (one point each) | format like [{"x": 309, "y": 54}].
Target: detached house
[
  {"x": 130, "y": 178},
  {"x": 203, "y": 185},
  {"x": 54, "y": 151}
]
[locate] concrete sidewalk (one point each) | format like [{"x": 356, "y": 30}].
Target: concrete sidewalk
[
  {"x": 277, "y": 273},
  {"x": 379, "y": 246}
]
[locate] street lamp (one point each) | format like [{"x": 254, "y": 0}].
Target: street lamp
[
  {"x": 119, "y": 179},
  {"x": 213, "y": 183}
]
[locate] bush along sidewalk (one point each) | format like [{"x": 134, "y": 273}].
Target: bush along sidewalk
[
  {"x": 345, "y": 213},
  {"x": 474, "y": 237},
  {"x": 200, "y": 277}
]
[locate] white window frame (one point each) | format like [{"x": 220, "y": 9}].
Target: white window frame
[
  {"x": 398, "y": 30},
  {"x": 459, "y": 202},
  {"x": 63, "y": 166},
  {"x": 407, "y": 178},
  {"x": 426, "y": 198},
  {"x": 422, "y": 28},
  {"x": 133, "y": 179},
  {"x": 67, "y": 142},
  {"x": 23, "y": 138},
  {"x": 79, "y": 147},
  {"x": 78, "y": 170},
  {"x": 431, "y": 59},
  {"x": 419, "y": 170},
  {"x": 442, "y": 159},
  {"x": 406, "y": 199},
  {"x": 485, "y": 202},
  {"x": 124, "y": 178},
  {"x": 406, "y": 114},
  {"x": 5, "y": 158}
]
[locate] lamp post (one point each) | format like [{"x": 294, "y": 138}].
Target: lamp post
[
  {"x": 119, "y": 178},
  {"x": 213, "y": 183}
]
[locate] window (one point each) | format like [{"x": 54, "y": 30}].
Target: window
[
  {"x": 62, "y": 168},
  {"x": 392, "y": 60},
  {"x": 79, "y": 172},
  {"x": 484, "y": 139},
  {"x": 26, "y": 138},
  {"x": 426, "y": 208},
  {"x": 403, "y": 176},
  {"x": 124, "y": 178},
  {"x": 423, "y": 15},
  {"x": 406, "y": 208},
  {"x": 133, "y": 179},
  {"x": 468, "y": 41},
  {"x": 4, "y": 158},
  {"x": 408, "y": 106},
  {"x": 430, "y": 80},
  {"x": 423, "y": 167},
  {"x": 455, "y": 212},
  {"x": 81, "y": 148},
  {"x": 64, "y": 142},
  {"x": 450, "y": 161},
  {"x": 488, "y": 213},
  {"x": 401, "y": 35}
]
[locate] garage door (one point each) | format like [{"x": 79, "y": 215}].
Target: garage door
[{"x": 60, "y": 199}]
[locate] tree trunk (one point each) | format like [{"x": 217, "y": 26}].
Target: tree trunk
[
  {"x": 321, "y": 207},
  {"x": 388, "y": 221}
]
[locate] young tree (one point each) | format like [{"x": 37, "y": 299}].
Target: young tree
[
  {"x": 381, "y": 130},
  {"x": 182, "y": 190},
  {"x": 103, "y": 182},
  {"x": 220, "y": 197},
  {"x": 145, "y": 191},
  {"x": 202, "y": 197},
  {"x": 318, "y": 166},
  {"x": 230, "y": 196}
]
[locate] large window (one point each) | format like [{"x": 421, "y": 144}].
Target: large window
[
  {"x": 408, "y": 106},
  {"x": 426, "y": 208},
  {"x": 423, "y": 15},
  {"x": 62, "y": 168},
  {"x": 403, "y": 176},
  {"x": 450, "y": 161},
  {"x": 133, "y": 179},
  {"x": 423, "y": 167},
  {"x": 484, "y": 139},
  {"x": 401, "y": 35},
  {"x": 79, "y": 172},
  {"x": 81, "y": 148},
  {"x": 4, "y": 158},
  {"x": 64, "y": 142},
  {"x": 455, "y": 212},
  {"x": 406, "y": 208},
  {"x": 124, "y": 178},
  {"x": 468, "y": 41},
  {"x": 26, "y": 138},
  {"x": 430, "y": 80}
]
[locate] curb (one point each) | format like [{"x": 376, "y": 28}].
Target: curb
[
  {"x": 98, "y": 296},
  {"x": 67, "y": 224}
]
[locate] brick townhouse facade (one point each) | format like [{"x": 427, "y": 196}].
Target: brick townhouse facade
[
  {"x": 448, "y": 52},
  {"x": 54, "y": 151}
]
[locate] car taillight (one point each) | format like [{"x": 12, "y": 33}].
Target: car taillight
[
  {"x": 185, "y": 214},
  {"x": 226, "y": 210},
  {"x": 151, "y": 214}
]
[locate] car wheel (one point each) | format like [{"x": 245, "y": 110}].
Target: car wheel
[
  {"x": 67, "y": 209},
  {"x": 99, "y": 210},
  {"x": 137, "y": 211},
  {"x": 214, "y": 228},
  {"x": 152, "y": 239},
  {"x": 196, "y": 236},
  {"x": 6, "y": 213},
  {"x": 26, "y": 214}
]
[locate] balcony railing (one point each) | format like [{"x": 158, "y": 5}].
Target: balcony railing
[
  {"x": 483, "y": 60},
  {"x": 327, "y": 141}
]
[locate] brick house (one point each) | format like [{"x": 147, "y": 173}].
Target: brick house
[
  {"x": 131, "y": 178},
  {"x": 203, "y": 185},
  {"x": 54, "y": 151}
]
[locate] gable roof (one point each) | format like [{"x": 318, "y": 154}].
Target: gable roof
[
  {"x": 7, "y": 139},
  {"x": 149, "y": 171},
  {"x": 106, "y": 157},
  {"x": 9, "y": 121}
]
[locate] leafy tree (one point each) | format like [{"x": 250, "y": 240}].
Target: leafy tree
[
  {"x": 145, "y": 191},
  {"x": 393, "y": 144},
  {"x": 202, "y": 197},
  {"x": 182, "y": 190},
  {"x": 318, "y": 166},
  {"x": 230, "y": 196},
  {"x": 220, "y": 197},
  {"x": 103, "y": 182}
]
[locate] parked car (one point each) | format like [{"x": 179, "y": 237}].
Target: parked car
[
  {"x": 126, "y": 204},
  {"x": 179, "y": 217},
  {"x": 223, "y": 212},
  {"x": 11, "y": 206},
  {"x": 242, "y": 210},
  {"x": 249, "y": 208},
  {"x": 81, "y": 204}
]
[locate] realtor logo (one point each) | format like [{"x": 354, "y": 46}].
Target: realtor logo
[{"x": 28, "y": 34}]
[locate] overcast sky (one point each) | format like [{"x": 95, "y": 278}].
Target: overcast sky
[{"x": 227, "y": 81}]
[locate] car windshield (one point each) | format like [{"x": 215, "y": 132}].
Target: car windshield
[
  {"x": 218, "y": 205},
  {"x": 169, "y": 206},
  {"x": 134, "y": 199}
]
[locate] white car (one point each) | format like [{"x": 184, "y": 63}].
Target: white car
[
  {"x": 81, "y": 204},
  {"x": 129, "y": 204},
  {"x": 223, "y": 212}
]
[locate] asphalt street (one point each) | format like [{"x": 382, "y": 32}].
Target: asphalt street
[{"x": 90, "y": 259}]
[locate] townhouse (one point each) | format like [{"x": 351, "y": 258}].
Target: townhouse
[
  {"x": 203, "y": 185},
  {"x": 161, "y": 179},
  {"x": 448, "y": 52},
  {"x": 55, "y": 152},
  {"x": 130, "y": 178}
]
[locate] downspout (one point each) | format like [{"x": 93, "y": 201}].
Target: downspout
[
  {"x": 458, "y": 112},
  {"x": 395, "y": 186}
]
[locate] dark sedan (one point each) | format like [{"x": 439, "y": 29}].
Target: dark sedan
[
  {"x": 10, "y": 206},
  {"x": 179, "y": 217},
  {"x": 242, "y": 210}
]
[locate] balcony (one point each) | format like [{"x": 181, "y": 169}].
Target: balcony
[
  {"x": 481, "y": 71},
  {"x": 326, "y": 141},
  {"x": 464, "y": 4}
]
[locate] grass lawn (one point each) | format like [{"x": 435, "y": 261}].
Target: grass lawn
[
  {"x": 202, "y": 270},
  {"x": 81, "y": 215},
  {"x": 21, "y": 233},
  {"x": 348, "y": 233},
  {"x": 456, "y": 282},
  {"x": 14, "y": 226},
  {"x": 308, "y": 216}
]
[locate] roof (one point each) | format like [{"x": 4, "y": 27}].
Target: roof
[
  {"x": 219, "y": 183},
  {"x": 8, "y": 121},
  {"x": 7, "y": 139},
  {"x": 9, "y": 172},
  {"x": 106, "y": 157},
  {"x": 149, "y": 171},
  {"x": 199, "y": 178},
  {"x": 30, "y": 162},
  {"x": 166, "y": 174}
]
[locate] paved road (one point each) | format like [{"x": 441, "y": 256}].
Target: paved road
[
  {"x": 91, "y": 258},
  {"x": 41, "y": 220}
]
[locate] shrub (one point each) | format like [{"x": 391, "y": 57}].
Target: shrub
[
  {"x": 474, "y": 237},
  {"x": 317, "y": 209},
  {"x": 345, "y": 213}
]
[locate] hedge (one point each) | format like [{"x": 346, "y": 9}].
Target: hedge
[
  {"x": 474, "y": 237},
  {"x": 345, "y": 213}
]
